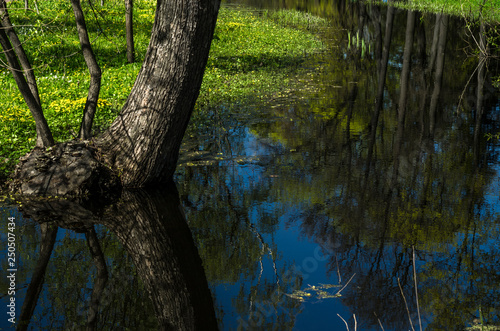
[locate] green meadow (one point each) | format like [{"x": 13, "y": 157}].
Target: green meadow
[
  {"x": 251, "y": 55},
  {"x": 489, "y": 10}
]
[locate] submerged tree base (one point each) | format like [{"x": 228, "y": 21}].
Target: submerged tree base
[{"x": 66, "y": 169}]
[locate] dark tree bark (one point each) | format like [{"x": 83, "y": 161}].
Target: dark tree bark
[
  {"x": 94, "y": 69},
  {"x": 143, "y": 142},
  {"x": 438, "y": 74},
  {"x": 403, "y": 93},
  {"x": 129, "y": 29},
  {"x": 101, "y": 279},
  {"x": 49, "y": 234},
  {"x": 405, "y": 73},
  {"x": 19, "y": 67},
  {"x": 152, "y": 228},
  {"x": 381, "y": 85},
  {"x": 434, "y": 44}
]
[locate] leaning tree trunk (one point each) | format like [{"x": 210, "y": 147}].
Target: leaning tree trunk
[
  {"x": 22, "y": 71},
  {"x": 143, "y": 143}
]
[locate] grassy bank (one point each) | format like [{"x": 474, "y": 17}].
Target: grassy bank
[
  {"x": 488, "y": 9},
  {"x": 251, "y": 55}
]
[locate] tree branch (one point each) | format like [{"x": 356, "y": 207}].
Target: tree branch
[
  {"x": 28, "y": 90},
  {"x": 94, "y": 69}
]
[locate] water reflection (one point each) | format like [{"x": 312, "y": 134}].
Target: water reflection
[
  {"x": 326, "y": 201},
  {"x": 377, "y": 150},
  {"x": 151, "y": 226}
]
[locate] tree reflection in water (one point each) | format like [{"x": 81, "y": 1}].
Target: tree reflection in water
[{"x": 152, "y": 228}]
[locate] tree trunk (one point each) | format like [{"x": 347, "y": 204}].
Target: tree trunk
[
  {"x": 403, "y": 93},
  {"x": 143, "y": 142},
  {"x": 49, "y": 234},
  {"x": 153, "y": 229},
  {"x": 94, "y": 69},
  {"x": 19, "y": 65},
  {"x": 20, "y": 53},
  {"x": 129, "y": 29},
  {"x": 438, "y": 74},
  {"x": 101, "y": 277},
  {"x": 384, "y": 61}
]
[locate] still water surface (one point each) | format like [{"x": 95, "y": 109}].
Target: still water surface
[{"x": 345, "y": 197}]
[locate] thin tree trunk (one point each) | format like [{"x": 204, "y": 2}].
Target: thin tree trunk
[
  {"x": 26, "y": 85},
  {"x": 438, "y": 75},
  {"x": 434, "y": 44},
  {"x": 94, "y": 69},
  {"x": 49, "y": 234},
  {"x": 101, "y": 279},
  {"x": 481, "y": 78},
  {"x": 403, "y": 94},
  {"x": 381, "y": 85},
  {"x": 20, "y": 53},
  {"x": 142, "y": 144},
  {"x": 129, "y": 28}
]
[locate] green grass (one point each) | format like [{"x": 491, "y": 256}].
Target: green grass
[
  {"x": 465, "y": 8},
  {"x": 251, "y": 52},
  {"x": 251, "y": 55}
]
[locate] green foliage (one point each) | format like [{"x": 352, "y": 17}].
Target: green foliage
[{"x": 249, "y": 53}]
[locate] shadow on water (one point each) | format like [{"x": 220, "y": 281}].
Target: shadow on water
[
  {"x": 366, "y": 191},
  {"x": 80, "y": 266}
]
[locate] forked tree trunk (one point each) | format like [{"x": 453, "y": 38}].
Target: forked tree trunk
[{"x": 143, "y": 143}]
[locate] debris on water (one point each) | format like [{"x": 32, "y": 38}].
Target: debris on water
[{"x": 314, "y": 291}]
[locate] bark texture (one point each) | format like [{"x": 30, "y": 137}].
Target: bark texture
[
  {"x": 129, "y": 29},
  {"x": 143, "y": 143},
  {"x": 152, "y": 228},
  {"x": 66, "y": 169}
]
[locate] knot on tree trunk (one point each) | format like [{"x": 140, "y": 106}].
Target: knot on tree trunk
[{"x": 66, "y": 169}]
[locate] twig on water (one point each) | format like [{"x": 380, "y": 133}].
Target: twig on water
[
  {"x": 406, "y": 305},
  {"x": 338, "y": 270},
  {"x": 416, "y": 290},
  {"x": 346, "y": 325},
  {"x": 345, "y": 285},
  {"x": 379, "y": 323}
]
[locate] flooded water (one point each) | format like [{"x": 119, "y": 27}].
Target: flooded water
[{"x": 366, "y": 194}]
